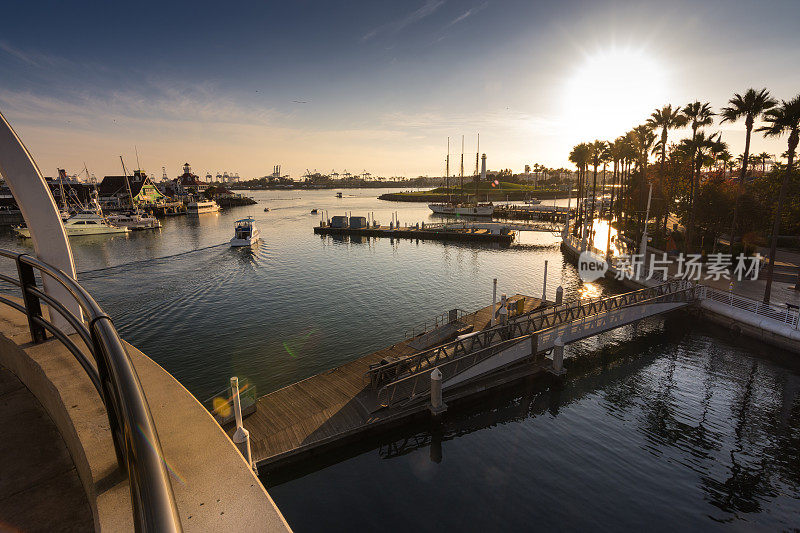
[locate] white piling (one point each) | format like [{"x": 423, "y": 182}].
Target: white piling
[
  {"x": 241, "y": 437},
  {"x": 558, "y": 357},
  {"x": 544, "y": 283},
  {"x": 437, "y": 406},
  {"x": 559, "y": 295},
  {"x": 503, "y": 310},
  {"x": 494, "y": 299}
]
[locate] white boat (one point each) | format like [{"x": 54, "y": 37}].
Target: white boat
[
  {"x": 134, "y": 221},
  {"x": 84, "y": 223},
  {"x": 533, "y": 201},
  {"x": 202, "y": 206},
  {"x": 479, "y": 210},
  {"x": 245, "y": 232}
]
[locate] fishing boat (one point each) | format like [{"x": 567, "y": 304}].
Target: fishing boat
[
  {"x": 202, "y": 206},
  {"x": 88, "y": 222},
  {"x": 245, "y": 232},
  {"x": 475, "y": 210},
  {"x": 313, "y": 211},
  {"x": 338, "y": 195}
]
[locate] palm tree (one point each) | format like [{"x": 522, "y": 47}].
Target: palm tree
[
  {"x": 785, "y": 118},
  {"x": 725, "y": 158},
  {"x": 699, "y": 148},
  {"x": 750, "y": 106},
  {"x": 666, "y": 119},
  {"x": 698, "y": 114},
  {"x": 596, "y": 150},
  {"x": 764, "y": 157},
  {"x": 643, "y": 139},
  {"x": 580, "y": 155}
]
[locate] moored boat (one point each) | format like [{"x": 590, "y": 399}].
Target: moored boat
[
  {"x": 86, "y": 222},
  {"x": 202, "y": 206},
  {"x": 479, "y": 210}
]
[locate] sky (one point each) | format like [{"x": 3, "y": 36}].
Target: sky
[{"x": 372, "y": 85}]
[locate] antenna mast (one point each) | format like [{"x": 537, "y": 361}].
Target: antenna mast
[{"x": 138, "y": 166}]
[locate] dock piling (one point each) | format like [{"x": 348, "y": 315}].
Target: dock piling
[
  {"x": 559, "y": 295},
  {"x": 494, "y": 300},
  {"x": 437, "y": 406},
  {"x": 503, "y": 312},
  {"x": 241, "y": 438},
  {"x": 544, "y": 283},
  {"x": 558, "y": 357}
]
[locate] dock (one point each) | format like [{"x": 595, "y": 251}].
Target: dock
[
  {"x": 432, "y": 232},
  {"x": 341, "y": 405}
]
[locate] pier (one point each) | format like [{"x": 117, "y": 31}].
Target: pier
[
  {"x": 432, "y": 232},
  {"x": 419, "y": 376}
]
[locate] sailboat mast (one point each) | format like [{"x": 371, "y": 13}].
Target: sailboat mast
[
  {"x": 127, "y": 183},
  {"x": 462, "y": 169},
  {"x": 447, "y": 169},
  {"x": 61, "y": 173}
]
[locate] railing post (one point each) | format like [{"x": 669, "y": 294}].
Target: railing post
[
  {"x": 241, "y": 437},
  {"x": 33, "y": 306}
]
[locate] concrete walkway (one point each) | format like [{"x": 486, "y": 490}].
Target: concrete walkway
[{"x": 39, "y": 486}]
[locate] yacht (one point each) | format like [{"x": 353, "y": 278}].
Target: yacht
[
  {"x": 134, "y": 221},
  {"x": 86, "y": 222},
  {"x": 202, "y": 206},
  {"x": 475, "y": 210},
  {"x": 245, "y": 232}
]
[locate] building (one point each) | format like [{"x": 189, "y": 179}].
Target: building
[
  {"x": 114, "y": 191},
  {"x": 187, "y": 183}
]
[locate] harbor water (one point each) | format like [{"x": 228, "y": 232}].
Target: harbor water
[{"x": 672, "y": 423}]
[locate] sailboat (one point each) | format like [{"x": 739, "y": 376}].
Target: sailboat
[{"x": 461, "y": 207}]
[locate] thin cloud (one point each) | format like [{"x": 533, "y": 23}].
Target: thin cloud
[
  {"x": 392, "y": 28},
  {"x": 471, "y": 11},
  {"x": 31, "y": 58}
]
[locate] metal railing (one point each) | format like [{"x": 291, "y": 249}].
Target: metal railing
[
  {"x": 517, "y": 327},
  {"x": 112, "y": 373},
  {"x": 221, "y": 404},
  {"x": 785, "y": 315},
  {"x": 429, "y": 325}
]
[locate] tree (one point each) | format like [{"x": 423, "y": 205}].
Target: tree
[
  {"x": 785, "y": 118},
  {"x": 698, "y": 114},
  {"x": 699, "y": 148},
  {"x": 580, "y": 156},
  {"x": 750, "y": 106},
  {"x": 596, "y": 151},
  {"x": 666, "y": 119}
]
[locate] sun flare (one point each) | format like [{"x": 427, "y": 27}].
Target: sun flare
[{"x": 613, "y": 90}]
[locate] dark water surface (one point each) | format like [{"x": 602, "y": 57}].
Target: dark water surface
[{"x": 670, "y": 424}]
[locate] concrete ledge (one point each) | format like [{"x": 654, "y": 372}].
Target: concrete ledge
[{"x": 214, "y": 487}]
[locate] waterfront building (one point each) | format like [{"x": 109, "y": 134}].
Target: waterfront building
[{"x": 114, "y": 191}]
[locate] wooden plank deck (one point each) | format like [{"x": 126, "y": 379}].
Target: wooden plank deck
[{"x": 333, "y": 405}]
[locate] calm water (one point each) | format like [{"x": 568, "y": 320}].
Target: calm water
[{"x": 665, "y": 425}]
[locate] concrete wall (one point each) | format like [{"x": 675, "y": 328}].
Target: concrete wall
[{"x": 214, "y": 487}]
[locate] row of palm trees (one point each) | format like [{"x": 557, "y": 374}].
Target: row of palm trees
[{"x": 629, "y": 156}]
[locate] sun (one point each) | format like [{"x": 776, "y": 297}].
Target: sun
[{"x": 612, "y": 91}]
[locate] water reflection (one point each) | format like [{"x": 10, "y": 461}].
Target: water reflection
[{"x": 668, "y": 420}]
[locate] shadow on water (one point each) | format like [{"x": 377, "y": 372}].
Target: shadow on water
[{"x": 666, "y": 418}]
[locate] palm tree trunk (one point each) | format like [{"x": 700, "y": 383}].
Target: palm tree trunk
[
  {"x": 749, "y": 123},
  {"x": 776, "y": 224}
]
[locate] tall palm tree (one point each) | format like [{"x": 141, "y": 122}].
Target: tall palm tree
[
  {"x": 596, "y": 150},
  {"x": 666, "y": 119},
  {"x": 785, "y": 118},
  {"x": 698, "y": 114},
  {"x": 643, "y": 139},
  {"x": 765, "y": 157},
  {"x": 699, "y": 148},
  {"x": 580, "y": 156},
  {"x": 750, "y": 107},
  {"x": 724, "y": 157}
]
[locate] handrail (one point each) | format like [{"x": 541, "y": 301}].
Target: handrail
[
  {"x": 112, "y": 373},
  {"x": 439, "y": 320}
]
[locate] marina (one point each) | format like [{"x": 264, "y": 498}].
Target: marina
[{"x": 589, "y": 321}]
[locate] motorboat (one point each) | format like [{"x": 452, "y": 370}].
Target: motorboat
[
  {"x": 134, "y": 221},
  {"x": 313, "y": 211},
  {"x": 245, "y": 232},
  {"x": 266, "y": 209},
  {"x": 87, "y": 222},
  {"x": 202, "y": 206},
  {"x": 476, "y": 210}
]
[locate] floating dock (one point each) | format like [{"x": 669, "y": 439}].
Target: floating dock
[
  {"x": 341, "y": 405},
  {"x": 432, "y": 232}
]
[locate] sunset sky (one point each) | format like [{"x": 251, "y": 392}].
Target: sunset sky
[{"x": 372, "y": 85}]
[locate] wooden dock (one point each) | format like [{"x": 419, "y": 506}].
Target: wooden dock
[
  {"x": 423, "y": 233},
  {"x": 339, "y": 406}
]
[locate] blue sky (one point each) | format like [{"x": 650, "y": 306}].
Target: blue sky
[{"x": 382, "y": 84}]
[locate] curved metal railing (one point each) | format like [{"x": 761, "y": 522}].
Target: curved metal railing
[{"x": 111, "y": 371}]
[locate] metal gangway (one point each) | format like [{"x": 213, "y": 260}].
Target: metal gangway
[{"x": 524, "y": 336}]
